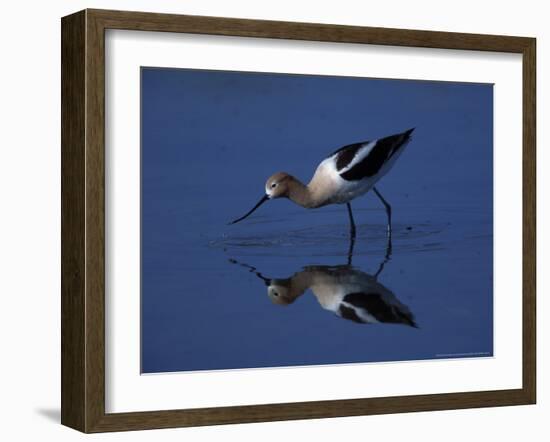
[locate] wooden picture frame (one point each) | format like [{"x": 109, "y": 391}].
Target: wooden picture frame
[{"x": 83, "y": 220}]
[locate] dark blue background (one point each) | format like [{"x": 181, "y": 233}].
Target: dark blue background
[{"x": 210, "y": 139}]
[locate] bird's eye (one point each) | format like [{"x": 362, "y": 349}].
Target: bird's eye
[
  {"x": 275, "y": 294},
  {"x": 273, "y": 185}
]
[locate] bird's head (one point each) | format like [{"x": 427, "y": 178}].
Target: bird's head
[
  {"x": 277, "y": 185},
  {"x": 283, "y": 291},
  {"x": 279, "y": 294}
]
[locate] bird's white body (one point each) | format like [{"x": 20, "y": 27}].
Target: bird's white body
[
  {"x": 331, "y": 289},
  {"x": 329, "y": 187}
]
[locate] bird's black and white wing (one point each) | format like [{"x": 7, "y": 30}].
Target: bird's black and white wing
[
  {"x": 372, "y": 307},
  {"x": 370, "y": 158}
]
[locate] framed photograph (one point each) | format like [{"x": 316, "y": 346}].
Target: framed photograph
[{"x": 269, "y": 220}]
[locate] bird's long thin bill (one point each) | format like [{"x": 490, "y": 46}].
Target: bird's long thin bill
[{"x": 263, "y": 200}]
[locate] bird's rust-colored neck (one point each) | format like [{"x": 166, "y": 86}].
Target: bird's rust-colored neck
[
  {"x": 298, "y": 284},
  {"x": 305, "y": 196}
]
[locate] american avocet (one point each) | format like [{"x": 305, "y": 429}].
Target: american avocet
[
  {"x": 344, "y": 290},
  {"x": 347, "y": 173}
]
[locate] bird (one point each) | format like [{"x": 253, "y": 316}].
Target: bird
[
  {"x": 344, "y": 290},
  {"x": 347, "y": 173},
  {"x": 349, "y": 293}
]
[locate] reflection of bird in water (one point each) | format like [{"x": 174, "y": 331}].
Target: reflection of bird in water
[
  {"x": 348, "y": 292},
  {"x": 344, "y": 290},
  {"x": 347, "y": 173}
]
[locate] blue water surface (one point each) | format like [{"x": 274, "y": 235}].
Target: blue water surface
[{"x": 210, "y": 139}]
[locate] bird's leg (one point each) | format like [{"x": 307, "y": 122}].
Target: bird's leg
[
  {"x": 352, "y": 232},
  {"x": 387, "y": 257},
  {"x": 350, "y": 250},
  {"x": 388, "y": 209},
  {"x": 351, "y": 221}
]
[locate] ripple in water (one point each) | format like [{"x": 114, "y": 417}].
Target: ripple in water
[{"x": 332, "y": 240}]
